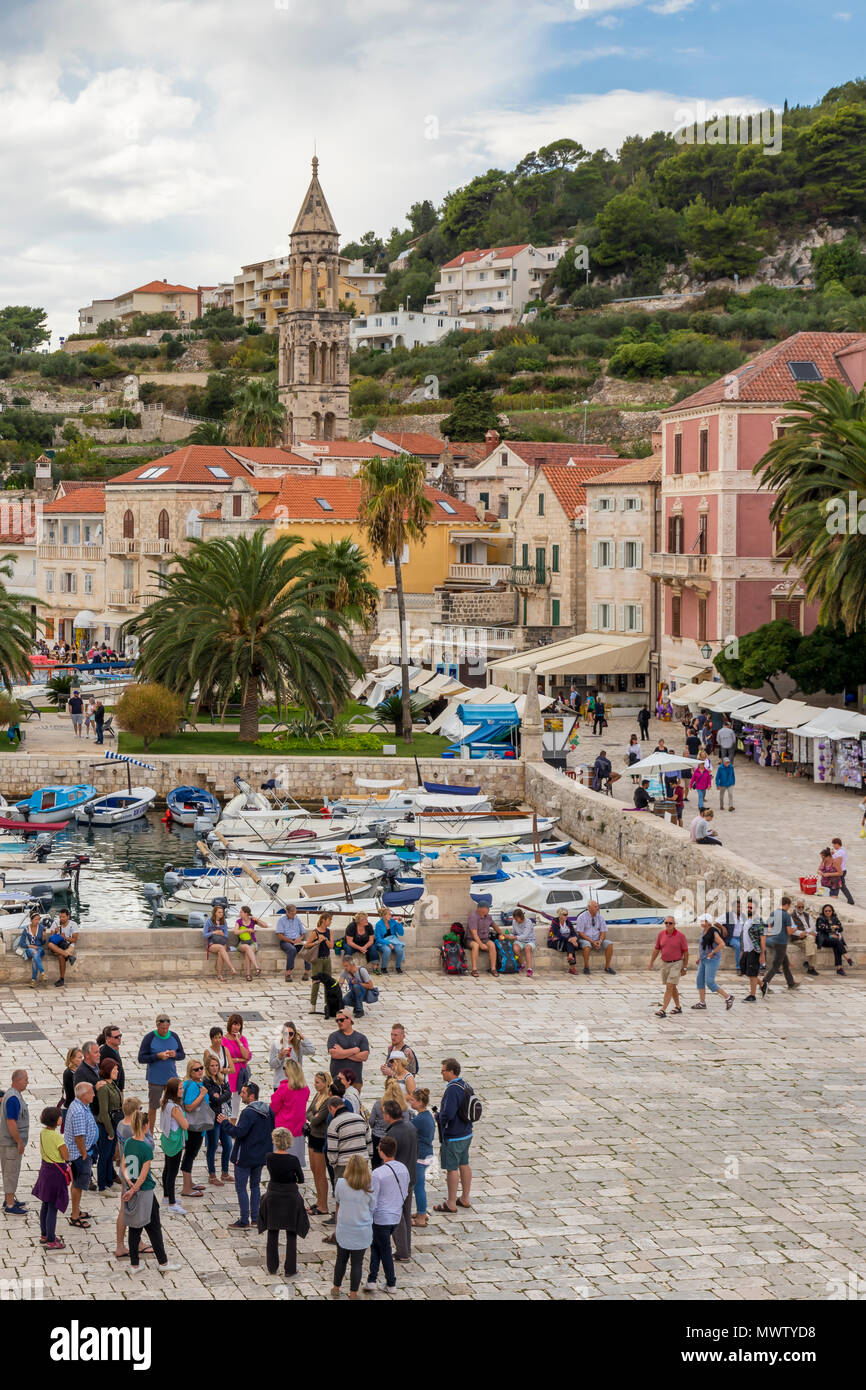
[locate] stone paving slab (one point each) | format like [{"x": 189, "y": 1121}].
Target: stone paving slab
[{"x": 713, "y": 1156}]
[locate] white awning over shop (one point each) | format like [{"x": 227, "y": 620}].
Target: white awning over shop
[
  {"x": 787, "y": 714},
  {"x": 592, "y": 653},
  {"x": 691, "y": 671},
  {"x": 691, "y": 694}
]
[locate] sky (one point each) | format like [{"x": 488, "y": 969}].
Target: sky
[{"x": 171, "y": 139}]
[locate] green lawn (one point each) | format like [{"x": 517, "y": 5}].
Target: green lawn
[{"x": 214, "y": 742}]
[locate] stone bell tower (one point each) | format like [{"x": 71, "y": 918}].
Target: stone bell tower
[{"x": 314, "y": 334}]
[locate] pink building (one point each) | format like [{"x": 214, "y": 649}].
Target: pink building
[{"x": 719, "y": 565}]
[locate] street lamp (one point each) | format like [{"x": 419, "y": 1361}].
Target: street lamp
[{"x": 706, "y": 651}]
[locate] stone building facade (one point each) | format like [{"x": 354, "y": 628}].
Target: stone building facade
[{"x": 314, "y": 333}]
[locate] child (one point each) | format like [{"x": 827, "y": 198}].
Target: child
[
  {"x": 52, "y": 1183},
  {"x": 679, "y": 797}
]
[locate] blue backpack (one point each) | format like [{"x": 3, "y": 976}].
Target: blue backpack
[{"x": 506, "y": 957}]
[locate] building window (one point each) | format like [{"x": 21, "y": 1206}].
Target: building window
[
  {"x": 540, "y": 564},
  {"x": 702, "y": 533},
  {"x": 484, "y": 499},
  {"x": 129, "y": 574},
  {"x": 792, "y": 609},
  {"x": 676, "y": 615},
  {"x": 631, "y": 555},
  {"x": 541, "y": 504},
  {"x": 237, "y": 505},
  {"x": 71, "y": 532},
  {"x": 631, "y": 504},
  {"x": 162, "y": 526},
  {"x": 603, "y": 556},
  {"x": 88, "y": 583},
  {"x": 675, "y": 535},
  {"x": 128, "y": 525},
  {"x": 68, "y": 582},
  {"x": 554, "y": 612},
  {"x": 632, "y": 617},
  {"x": 605, "y": 619},
  {"x": 524, "y": 556},
  {"x": 702, "y": 620},
  {"x": 704, "y": 451},
  {"x": 503, "y": 458},
  {"x": 554, "y": 559},
  {"x": 603, "y": 504},
  {"x": 780, "y": 550},
  {"x": 678, "y": 453},
  {"x": 49, "y": 581}
]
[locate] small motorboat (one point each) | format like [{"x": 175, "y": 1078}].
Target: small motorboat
[
  {"x": 189, "y": 804},
  {"x": 48, "y": 805},
  {"x": 444, "y": 829},
  {"x": 117, "y": 808}
]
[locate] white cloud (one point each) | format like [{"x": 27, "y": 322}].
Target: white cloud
[
  {"x": 843, "y": 15},
  {"x": 610, "y": 21},
  {"x": 671, "y": 6}
]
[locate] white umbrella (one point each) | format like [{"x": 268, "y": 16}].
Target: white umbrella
[
  {"x": 662, "y": 762},
  {"x": 85, "y": 619}
]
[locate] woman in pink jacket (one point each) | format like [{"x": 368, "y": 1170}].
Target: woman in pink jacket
[
  {"x": 237, "y": 1048},
  {"x": 702, "y": 779},
  {"x": 289, "y": 1104}
]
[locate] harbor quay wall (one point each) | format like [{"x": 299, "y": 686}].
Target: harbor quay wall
[{"x": 309, "y": 778}]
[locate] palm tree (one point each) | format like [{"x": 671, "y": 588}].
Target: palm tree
[
  {"x": 394, "y": 509},
  {"x": 17, "y": 632},
  {"x": 238, "y": 611},
  {"x": 258, "y": 416},
  {"x": 341, "y": 569},
  {"x": 816, "y": 467},
  {"x": 209, "y": 432}
]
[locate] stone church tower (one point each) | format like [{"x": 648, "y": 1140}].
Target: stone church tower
[{"x": 314, "y": 334}]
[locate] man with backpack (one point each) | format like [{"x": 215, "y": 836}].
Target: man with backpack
[{"x": 457, "y": 1109}]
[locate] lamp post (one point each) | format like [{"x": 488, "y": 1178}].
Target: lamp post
[{"x": 706, "y": 651}]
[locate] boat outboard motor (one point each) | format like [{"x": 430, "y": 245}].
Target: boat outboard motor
[
  {"x": 221, "y": 901},
  {"x": 88, "y": 810},
  {"x": 42, "y": 847},
  {"x": 270, "y": 785},
  {"x": 196, "y": 919},
  {"x": 203, "y": 824},
  {"x": 171, "y": 881},
  {"x": 381, "y": 829},
  {"x": 391, "y": 866},
  {"x": 44, "y": 894},
  {"x": 491, "y": 860},
  {"x": 409, "y": 844},
  {"x": 153, "y": 895}
]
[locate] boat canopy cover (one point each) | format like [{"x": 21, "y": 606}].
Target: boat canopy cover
[
  {"x": 445, "y": 789},
  {"x": 487, "y": 714}
]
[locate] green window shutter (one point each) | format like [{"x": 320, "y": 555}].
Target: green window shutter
[
  {"x": 554, "y": 612},
  {"x": 540, "y": 564},
  {"x": 524, "y": 556},
  {"x": 554, "y": 563},
  {"x": 524, "y": 610},
  {"x": 541, "y": 504}
]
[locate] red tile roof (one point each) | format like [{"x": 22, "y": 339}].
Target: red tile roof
[
  {"x": 537, "y": 452},
  {"x": 297, "y": 501},
  {"x": 767, "y": 377},
  {"x": 88, "y": 500},
  {"x": 415, "y": 443},
  {"x": 647, "y": 470},
  {"x": 161, "y": 287},
  {"x": 193, "y": 463},
  {"x": 73, "y": 484},
  {"x": 497, "y": 252},
  {"x": 569, "y": 481},
  {"x": 342, "y": 448}
]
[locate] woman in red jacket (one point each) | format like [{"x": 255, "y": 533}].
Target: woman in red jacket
[{"x": 289, "y": 1104}]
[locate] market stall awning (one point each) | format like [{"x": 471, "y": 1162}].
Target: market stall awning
[
  {"x": 692, "y": 671},
  {"x": 742, "y": 706},
  {"x": 787, "y": 714},
  {"x": 690, "y": 694},
  {"x": 592, "y": 653},
  {"x": 835, "y": 724},
  {"x": 716, "y": 697}
]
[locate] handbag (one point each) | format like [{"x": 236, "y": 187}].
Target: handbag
[
  {"x": 200, "y": 1118},
  {"x": 173, "y": 1144},
  {"x": 310, "y": 953}
]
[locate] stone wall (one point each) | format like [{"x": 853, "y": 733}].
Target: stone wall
[
  {"x": 310, "y": 778},
  {"x": 495, "y": 607},
  {"x": 405, "y": 424}
]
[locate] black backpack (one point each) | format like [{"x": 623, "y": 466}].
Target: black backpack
[
  {"x": 470, "y": 1108},
  {"x": 453, "y": 956}
]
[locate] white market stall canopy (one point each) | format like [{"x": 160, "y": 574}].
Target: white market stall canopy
[
  {"x": 691, "y": 671},
  {"x": 592, "y": 653},
  {"x": 716, "y": 697},
  {"x": 788, "y": 714},
  {"x": 748, "y": 708},
  {"x": 691, "y": 694},
  {"x": 835, "y": 724}
]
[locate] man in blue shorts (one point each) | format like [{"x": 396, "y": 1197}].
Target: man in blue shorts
[{"x": 456, "y": 1136}]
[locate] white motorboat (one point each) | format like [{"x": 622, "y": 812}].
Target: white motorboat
[
  {"x": 449, "y": 829},
  {"x": 117, "y": 808},
  {"x": 293, "y": 887},
  {"x": 546, "y": 894}
]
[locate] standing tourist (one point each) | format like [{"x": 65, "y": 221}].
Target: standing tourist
[
  {"x": 75, "y": 705},
  {"x": 109, "y": 1046},
  {"x": 51, "y": 1185},
  {"x": 173, "y": 1126},
  {"x": 778, "y": 931},
  {"x": 317, "y": 952},
  {"x": 81, "y": 1136},
  {"x": 289, "y": 1105},
  {"x": 753, "y": 959},
  {"x": 643, "y": 720},
  {"x": 391, "y": 1188},
  {"x": 109, "y": 1100},
  {"x": 316, "y": 1129},
  {"x": 455, "y": 1134},
  {"x": 99, "y": 721},
  {"x": 14, "y": 1133},
  {"x": 347, "y": 1045},
  {"x": 74, "y": 1058},
  {"x": 726, "y": 739},
  {"x": 237, "y": 1049},
  {"x": 633, "y": 755},
  {"x": 289, "y": 1045},
  {"x": 425, "y": 1127},
  {"x": 840, "y": 855},
  {"x": 356, "y": 1203},
  {"x": 200, "y": 1119},
  {"x": 219, "y": 1098},
  {"x": 159, "y": 1053},
  {"x": 399, "y": 1042},
  {"x": 674, "y": 950},
  {"x": 282, "y": 1206},
  {"x": 725, "y": 782},
  {"x": 131, "y": 1106},
  {"x": 252, "y": 1135},
  {"x": 598, "y": 716},
  {"x": 141, "y": 1209},
  {"x": 702, "y": 778},
  {"x": 710, "y": 949}
]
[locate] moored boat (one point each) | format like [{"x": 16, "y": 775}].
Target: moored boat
[
  {"x": 189, "y": 804},
  {"x": 117, "y": 808},
  {"x": 48, "y": 805}
]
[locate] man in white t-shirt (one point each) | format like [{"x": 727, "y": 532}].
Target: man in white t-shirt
[
  {"x": 840, "y": 857},
  {"x": 62, "y": 943},
  {"x": 390, "y": 1188}
]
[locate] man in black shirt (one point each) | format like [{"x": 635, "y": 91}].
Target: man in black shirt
[
  {"x": 346, "y": 1046},
  {"x": 643, "y": 719},
  {"x": 601, "y": 771},
  {"x": 598, "y": 717},
  {"x": 642, "y": 798},
  {"x": 406, "y": 1136}
]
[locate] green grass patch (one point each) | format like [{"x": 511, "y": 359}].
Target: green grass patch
[{"x": 219, "y": 742}]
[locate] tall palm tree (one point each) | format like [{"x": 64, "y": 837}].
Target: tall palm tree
[
  {"x": 209, "y": 432},
  {"x": 342, "y": 579},
  {"x": 394, "y": 509},
  {"x": 816, "y": 467},
  {"x": 17, "y": 632},
  {"x": 258, "y": 416},
  {"x": 238, "y": 611}
]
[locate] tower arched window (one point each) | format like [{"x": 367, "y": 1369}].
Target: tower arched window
[
  {"x": 162, "y": 526},
  {"x": 329, "y": 425},
  {"x": 317, "y": 424},
  {"x": 313, "y": 363},
  {"x": 128, "y": 525}
]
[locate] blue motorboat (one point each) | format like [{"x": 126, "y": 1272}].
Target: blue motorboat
[
  {"x": 48, "y": 805},
  {"x": 188, "y": 804}
]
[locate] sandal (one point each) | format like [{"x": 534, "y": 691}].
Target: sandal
[
  {"x": 461, "y": 1203},
  {"x": 316, "y": 1211},
  {"x": 80, "y": 1222},
  {"x": 699, "y": 1006},
  {"x": 475, "y": 974},
  {"x": 419, "y": 1220},
  {"x": 442, "y": 1207},
  {"x": 660, "y": 1013}
]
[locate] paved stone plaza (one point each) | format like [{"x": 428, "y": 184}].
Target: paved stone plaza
[{"x": 712, "y": 1156}]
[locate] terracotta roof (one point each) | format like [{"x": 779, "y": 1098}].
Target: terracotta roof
[
  {"x": 768, "y": 377},
  {"x": 193, "y": 464},
  {"x": 537, "y": 452},
  {"x": 470, "y": 451},
  {"x": 23, "y": 512},
  {"x": 81, "y": 500},
  {"x": 569, "y": 481},
  {"x": 498, "y": 253},
  {"x": 211, "y": 516},
  {"x": 647, "y": 470},
  {"x": 66, "y": 485},
  {"x": 415, "y": 443},
  {"x": 161, "y": 287},
  {"x": 297, "y": 501},
  {"x": 342, "y": 448}
]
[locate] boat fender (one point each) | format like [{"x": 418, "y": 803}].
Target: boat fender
[
  {"x": 167, "y": 818},
  {"x": 325, "y": 811}
]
